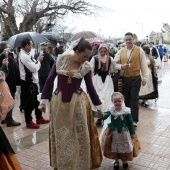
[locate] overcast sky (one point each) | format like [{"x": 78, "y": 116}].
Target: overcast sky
[{"x": 140, "y": 17}]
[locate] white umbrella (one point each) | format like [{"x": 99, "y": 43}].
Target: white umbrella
[{"x": 85, "y": 34}]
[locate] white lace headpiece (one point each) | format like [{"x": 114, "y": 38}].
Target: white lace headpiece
[{"x": 73, "y": 45}]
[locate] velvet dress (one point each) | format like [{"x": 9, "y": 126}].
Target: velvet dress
[{"x": 72, "y": 146}]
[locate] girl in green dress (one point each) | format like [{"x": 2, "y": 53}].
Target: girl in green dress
[{"x": 116, "y": 140}]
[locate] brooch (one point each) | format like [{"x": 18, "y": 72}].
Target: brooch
[{"x": 69, "y": 74}]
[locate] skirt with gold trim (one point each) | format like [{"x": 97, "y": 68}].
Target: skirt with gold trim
[
  {"x": 8, "y": 160},
  {"x": 107, "y": 143},
  {"x": 96, "y": 154}
]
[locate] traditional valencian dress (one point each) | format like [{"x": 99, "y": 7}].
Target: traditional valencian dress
[
  {"x": 116, "y": 140},
  {"x": 102, "y": 67},
  {"x": 8, "y": 160},
  {"x": 150, "y": 90},
  {"x": 74, "y": 143}
]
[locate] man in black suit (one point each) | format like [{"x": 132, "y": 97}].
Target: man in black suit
[
  {"x": 46, "y": 65},
  {"x": 153, "y": 50},
  {"x": 56, "y": 49}
]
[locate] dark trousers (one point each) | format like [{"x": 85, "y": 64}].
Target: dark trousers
[
  {"x": 131, "y": 87},
  {"x": 161, "y": 57},
  {"x": 30, "y": 101},
  {"x": 115, "y": 78},
  {"x": 22, "y": 98},
  {"x": 42, "y": 81},
  {"x": 9, "y": 114}
]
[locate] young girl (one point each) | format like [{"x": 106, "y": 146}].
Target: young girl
[{"x": 116, "y": 140}]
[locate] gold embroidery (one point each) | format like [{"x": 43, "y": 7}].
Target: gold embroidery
[
  {"x": 69, "y": 80},
  {"x": 69, "y": 74},
  {"x": 69, "y": 140}
]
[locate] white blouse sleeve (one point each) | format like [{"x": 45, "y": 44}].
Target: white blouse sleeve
[
  {"x": 112, "y": 66},
  {"x": 92, "y": 64}
]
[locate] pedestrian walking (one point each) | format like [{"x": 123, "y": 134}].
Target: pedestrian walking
[
  {"x": 102, "y": 67},
  {"x": 161, "y": 51},
  {"x": 150, "y": 90},
  {"x": 117, "y": 138},
  {"x": 70, "y": 144},
  {"x": 131, "y": 60}
]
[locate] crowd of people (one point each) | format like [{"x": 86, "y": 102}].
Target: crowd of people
[{"x": 88, "y": 84}]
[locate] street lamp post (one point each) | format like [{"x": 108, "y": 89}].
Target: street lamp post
[
  {"x": 63, "y": 36},
  {"x": 146, "y": 39}
]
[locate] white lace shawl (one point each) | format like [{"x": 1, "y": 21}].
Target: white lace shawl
[
  {"x": 62, "y": 62},
  {"x": 116, "y": 114}
]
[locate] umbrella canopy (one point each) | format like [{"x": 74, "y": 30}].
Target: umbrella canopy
[
  {"x": 16, "y": 40},
  {"x": 51, "y": 36},
  {"x": 85, "y": 34}
]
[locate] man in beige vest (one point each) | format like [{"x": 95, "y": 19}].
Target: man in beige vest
[{"x": 131, "y": 62}]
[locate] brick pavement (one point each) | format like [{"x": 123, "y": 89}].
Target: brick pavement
[{"x": 153, "y": 131}]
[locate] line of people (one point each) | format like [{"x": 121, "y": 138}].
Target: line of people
[
  {"x": 74, "y": 142},
  {"x": 67, "y": 103}
]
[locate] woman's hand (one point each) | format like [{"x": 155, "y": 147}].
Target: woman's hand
[
  {"x": 42, "y": 107},
  {"x": 100, "y": 114},
  {"x": 143, "y": 82}
]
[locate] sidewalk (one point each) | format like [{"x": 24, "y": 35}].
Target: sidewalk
[{"x": 153, "y": 131}]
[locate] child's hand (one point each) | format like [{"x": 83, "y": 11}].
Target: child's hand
[
  {"x": 100, "y": 114},
  {"x": 132, "y": 136}
]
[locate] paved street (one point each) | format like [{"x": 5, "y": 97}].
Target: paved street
[{"x": 153, "y": 131}]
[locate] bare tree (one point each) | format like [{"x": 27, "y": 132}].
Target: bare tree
[
  {"x": 65, "y": 33},
  {"x": 36, "y": 14}
]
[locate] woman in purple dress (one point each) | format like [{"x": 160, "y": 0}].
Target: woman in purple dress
[{"x": 70, "y": 140}]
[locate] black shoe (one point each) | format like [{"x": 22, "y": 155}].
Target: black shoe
[
  {"x": 3, "y": 122},
  {"x": 116, "y": 165},
  {"x": 142, "y": 103},
  {"x": 146, "y": 104},
  {"x": 135, "y": 124},
  {"x": 21, "y": 109},
  {"x": 99, "y": 122},
  {"x": 125, "y": 165},
  {"x": 13, "y": 123}
]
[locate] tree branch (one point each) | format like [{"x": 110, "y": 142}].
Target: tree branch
[{"x": 33, "y": 11}]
